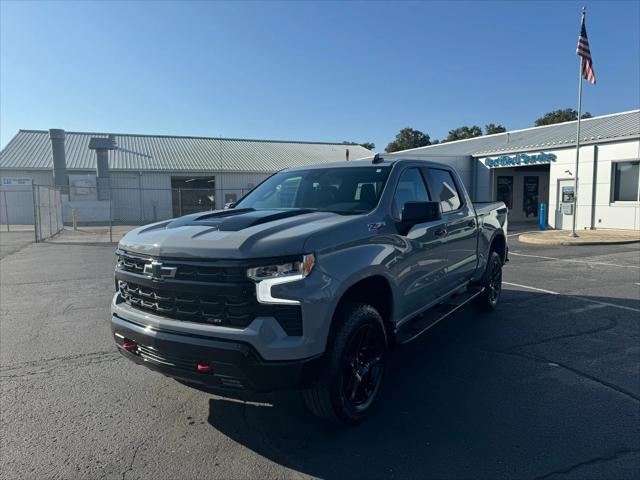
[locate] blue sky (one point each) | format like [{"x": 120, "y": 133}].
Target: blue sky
[{"x": 323, "y": 71}]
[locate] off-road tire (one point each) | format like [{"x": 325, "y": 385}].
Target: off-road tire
[
  {"x": 326, "y": 398},
  {"x": 491, "y": 281}
]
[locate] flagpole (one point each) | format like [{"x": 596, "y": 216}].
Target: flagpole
[{"x": 575, "y": 204}]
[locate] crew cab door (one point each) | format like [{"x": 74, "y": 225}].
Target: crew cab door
[
  {"x": 459, "y": 221},
  {"x": 422, "y": 256}
]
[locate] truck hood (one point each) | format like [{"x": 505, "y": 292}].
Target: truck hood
[{"x": 234, "y": 234}]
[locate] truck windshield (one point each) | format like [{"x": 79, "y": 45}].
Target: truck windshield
[{"x": 346, "y": 190}]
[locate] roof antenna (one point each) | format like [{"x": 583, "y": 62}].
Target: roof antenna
[{"x": 377, "y": 159}]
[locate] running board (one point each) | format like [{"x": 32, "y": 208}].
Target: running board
[{"x": 423, "y": 322}]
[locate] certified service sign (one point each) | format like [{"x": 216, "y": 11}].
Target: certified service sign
[{"x": 519, "y": 159}]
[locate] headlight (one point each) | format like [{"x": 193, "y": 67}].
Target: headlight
[{"x": 300, "y": 268}]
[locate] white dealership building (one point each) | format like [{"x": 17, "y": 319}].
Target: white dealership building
[{"x": 526, "y": 168}]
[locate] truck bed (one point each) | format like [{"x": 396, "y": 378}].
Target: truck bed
[
  {"x": 483, "y": 208},
  {"x": 498, "y": 210}
]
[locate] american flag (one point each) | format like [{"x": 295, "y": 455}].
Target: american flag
[{"x": 583, "y": 51}]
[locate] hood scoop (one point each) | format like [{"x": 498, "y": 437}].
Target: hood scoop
[
  {"x": 206, "y": 219},
  {"x": 234, "y": 220}
]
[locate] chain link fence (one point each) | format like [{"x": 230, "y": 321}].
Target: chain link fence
[
  {"x": 37, "y": 208},
  {"x": 139, "y": 206},
  {"x": 48, "y": 210},
  {"x": 17, "y": 209}
]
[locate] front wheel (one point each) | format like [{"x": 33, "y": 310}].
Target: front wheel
[
  {"x": 354, "y": 367},
  {"x": 492, "y": 284}
]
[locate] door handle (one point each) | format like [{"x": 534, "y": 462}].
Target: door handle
[{"x": 440, "y": 232}]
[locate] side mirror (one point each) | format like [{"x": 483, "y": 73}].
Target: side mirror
[
  {"x": 229, "y": 205},
  {"x": 421, "y": 212}
]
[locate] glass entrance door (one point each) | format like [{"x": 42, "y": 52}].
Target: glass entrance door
[
  {"x": 530, "y": 196},
  {"x": 505, "y": 190}
]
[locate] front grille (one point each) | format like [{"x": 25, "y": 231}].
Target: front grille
[
  {"x": 190, "y": 271},
  {"x": 226, "y": 298},
  {"x": 214, "y": 309}
]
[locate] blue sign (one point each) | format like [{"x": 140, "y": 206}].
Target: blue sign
[{"x": 519, "y": 159}]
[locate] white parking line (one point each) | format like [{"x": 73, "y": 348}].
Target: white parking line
[
  {"x": 573, "y": 260},
  {"x": 584, "y": 299},
  {"x": 592, "y": 306},
  {"x": 532, "y": 288}
]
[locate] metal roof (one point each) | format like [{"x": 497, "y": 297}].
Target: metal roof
[
  {"x": 606, "y": 128},
  {"x": 31, "y": 149}
]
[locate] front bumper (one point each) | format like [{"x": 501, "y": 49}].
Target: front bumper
[{"x": 231, "y": 364}]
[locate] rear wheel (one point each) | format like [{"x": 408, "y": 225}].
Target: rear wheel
[
  {"x": 354, "y": 367},
  {"x": 492, "y": 284}
]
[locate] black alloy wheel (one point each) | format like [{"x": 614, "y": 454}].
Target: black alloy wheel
[
  {"x": 495, "y": 282},
  {"x": 491, "y": 284},
  {"x": 363, "y": 369},
  {"x": 354, "y": 363}
]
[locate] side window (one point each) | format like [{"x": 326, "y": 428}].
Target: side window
[
  {"x": 411, "y": 188},
  {"x": 625, "y": 181},
  {"x": 444, "y": 188}
]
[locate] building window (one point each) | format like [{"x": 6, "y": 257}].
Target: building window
[
  {"x": 625, "y": 181},
  {"x": 193, "y": 194},
  {"x": 505, "y": 190}
]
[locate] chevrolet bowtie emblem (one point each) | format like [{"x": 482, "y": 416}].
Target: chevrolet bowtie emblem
[{"x": 155, "y": 270}]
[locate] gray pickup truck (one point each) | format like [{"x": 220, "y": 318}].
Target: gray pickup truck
[{"x": 308, "y": 280}]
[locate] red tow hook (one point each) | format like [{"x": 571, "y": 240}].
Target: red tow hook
[
  {"x": 204, "y": 368},
  {"x": 130, "y": 347}
]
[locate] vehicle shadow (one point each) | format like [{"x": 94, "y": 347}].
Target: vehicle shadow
[{"x": 459, "y": 402}]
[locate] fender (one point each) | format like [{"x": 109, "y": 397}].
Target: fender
[
  {"x": 352, "y": 264},
  {"x": 484, "y": 243}
]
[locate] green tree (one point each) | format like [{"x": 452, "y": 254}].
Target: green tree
[
  {"x": 464, "y": 132},
  {"x": 559, "y": 116},
  {"x": 408, "y": 138},
  {"x": 491, "y": 128}
]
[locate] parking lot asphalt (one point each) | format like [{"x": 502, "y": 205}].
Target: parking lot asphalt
[
  {"x": 12, "y": 241},
  {"x": 546, "y": 387}
]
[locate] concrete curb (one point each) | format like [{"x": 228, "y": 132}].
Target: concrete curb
[{"x": 539, "y": 239}]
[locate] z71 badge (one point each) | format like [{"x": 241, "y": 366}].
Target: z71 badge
[{"x": 374, "y": 227}]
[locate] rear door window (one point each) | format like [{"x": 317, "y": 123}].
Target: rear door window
[{"x": 444, "y": 189}]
